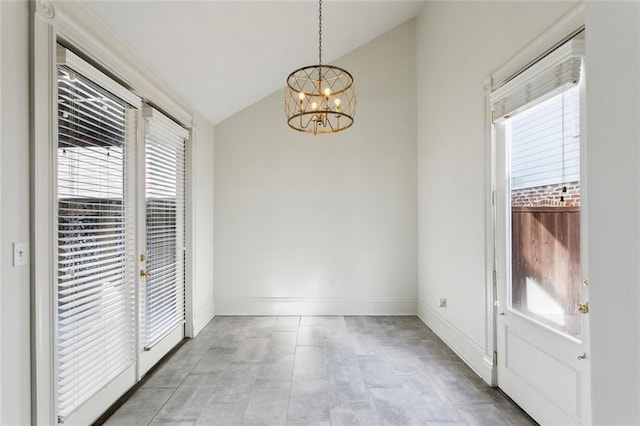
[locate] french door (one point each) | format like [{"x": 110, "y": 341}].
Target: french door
[
  {"x": 120, "y": 239},
  {"x": 542, "y": 314},
  {"x": 161, "y": 237}
]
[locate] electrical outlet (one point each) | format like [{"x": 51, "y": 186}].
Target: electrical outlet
[
  {"x": 443, "y": 302},
  {"x": 20, "y": 254},
  {"x": 331, "y": 286}
]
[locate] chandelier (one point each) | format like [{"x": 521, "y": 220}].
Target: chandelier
[{"x": 320, "y": 98}]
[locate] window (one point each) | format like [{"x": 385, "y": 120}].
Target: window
[
  {"x": 165, "y": 238},
  {"x": 538, "y": 113},
  {"x": 96, "y": 305}
]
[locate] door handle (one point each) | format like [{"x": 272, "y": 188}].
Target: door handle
[
  {"x": 144, "y": 274},
  {"x": 583, "y": 308}
]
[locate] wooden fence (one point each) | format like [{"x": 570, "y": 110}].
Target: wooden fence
[{"x": 546, "y": 249}]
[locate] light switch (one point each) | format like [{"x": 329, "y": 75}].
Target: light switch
[{"x": 20, "y": 254}]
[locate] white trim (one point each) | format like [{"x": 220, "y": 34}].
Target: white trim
[
  {"x": 490, "y": 222},
  {"x": 466, "y": 348},
  {"x": 585, "y": 412},
  {"x": 1, "y": 144},
  {"x": 313, "y": 306},
  {"x": 78, "y": 27},
  {"x": 196, "y": 320},
  {"x": 532, "y": 52},
  {"x": 43, "y": 131},
  {"x": 204, "y": 315},
  {"x": 137, "y": 171},
  {"x": 189, "y": 240}
]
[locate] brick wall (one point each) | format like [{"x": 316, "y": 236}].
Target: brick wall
[{"x": 548, "y": 195}]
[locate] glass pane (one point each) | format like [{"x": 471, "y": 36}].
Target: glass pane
[
  {"x": 545, "y": 212},
  {"x": 95, "y": 287},
  {"x": 164, "y": 188}
]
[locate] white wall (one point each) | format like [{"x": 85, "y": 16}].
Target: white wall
[
  {"x": 458, "y": 45},
  {"x": 613, "y": 208},
  {"x": 15, "y": 386},
  {"x": 202, "y": 222},
  {"x": 14, "y": 225},
  {"x": 297, "y": 214},
  {"x": 1, "y": 97}
]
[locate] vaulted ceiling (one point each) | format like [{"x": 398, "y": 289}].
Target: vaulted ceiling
[{"x": 223, "y": 56}]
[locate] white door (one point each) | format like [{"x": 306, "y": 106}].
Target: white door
[
  {"x": 161, "y": 237},
  {"x": 95, "y": 284},
  {"x": 542, "y": 338},
  {"x": 119, "y": 303}
]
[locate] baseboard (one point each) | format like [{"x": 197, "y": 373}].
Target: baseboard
[
  {"x": 468, "y": 350},
  {"x": 203, "y": 316},
  {"x": 314, "y": 306}
]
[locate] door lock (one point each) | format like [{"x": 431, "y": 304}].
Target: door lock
[
  {"x": 144, "y": 274},
  {"x": 143, "y": 257},
  {"x": 583, "y": 308}
]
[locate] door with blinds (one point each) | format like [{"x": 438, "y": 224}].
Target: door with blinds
[
  {"x": 119, "y": 255},
  {"x": 162, "y": 257},
  {"x": 542, "y": 309}
]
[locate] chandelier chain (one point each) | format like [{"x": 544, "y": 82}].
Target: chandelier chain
[{"x": 320, "y": 32}]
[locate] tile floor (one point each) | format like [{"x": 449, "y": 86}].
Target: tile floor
[{"x": 314, "y": 370}]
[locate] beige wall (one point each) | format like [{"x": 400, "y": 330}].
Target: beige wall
[
  {"x": 364, "y": 187},
  {"x": 613, "y": 208},
  {"x": 202, "y": 222},
  {"x": 14, "y": 224},
  {"x": 459, "y": 44},
  {"x": 297, "y": 215}
]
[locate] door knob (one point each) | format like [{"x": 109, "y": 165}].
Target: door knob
[
  {"x": 583, "y": 308},
  {"x": 144, "y": 274}
]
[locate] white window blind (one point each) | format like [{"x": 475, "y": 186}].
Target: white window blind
[
  {"x": 551, "y": 75},
  {"x": 96, "y": 305},
  {"x": 165, "y": 237},
  {"x": 545, "y": 142}
]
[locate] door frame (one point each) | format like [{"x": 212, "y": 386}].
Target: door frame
[
  {"x": 569, "y": 25},
  {"x": 538, "y": 47},
  {"x": 71, "y": 24}
]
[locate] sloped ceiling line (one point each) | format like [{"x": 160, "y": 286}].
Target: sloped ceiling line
[{"x": 223, "y": 56}]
